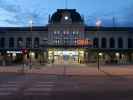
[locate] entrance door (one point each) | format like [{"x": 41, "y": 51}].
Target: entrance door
[{"x": 66, "y": 56}]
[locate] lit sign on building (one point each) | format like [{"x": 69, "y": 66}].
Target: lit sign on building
[
  {"x": 84, "y": 42},
  {"x": 14, "y": 52}
]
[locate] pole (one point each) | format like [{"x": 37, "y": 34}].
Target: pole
[
  {"x": 64, "y": 70},
  {"x": 98, "y": 63},
  {"x": 23, "y": 63},
  {"x": 98, "y": 24},
  {"x": 66, "y": 4},
  {"x": 30, "y": 66}
]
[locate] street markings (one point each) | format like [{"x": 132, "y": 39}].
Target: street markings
[
  {"x": 10, "y": 87},
  {"x": 40, "y": 88},
  {"x": 32, "y": 86}
]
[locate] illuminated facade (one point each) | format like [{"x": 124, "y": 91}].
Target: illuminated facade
[{"x": 66, "y": 39}]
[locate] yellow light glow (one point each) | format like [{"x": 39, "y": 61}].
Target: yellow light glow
[
  {"x": 100, "y": 54},
  {"x": 14, "y": 54},
  {"x": 50, "y": 52},
  {"x": 117, "y": 54},
  {"x": 32, "y": 54}
]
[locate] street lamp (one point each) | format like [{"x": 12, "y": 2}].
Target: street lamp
[
  {"x": 45, "y": 44},
  {"x": 98, "y": 24},
  {"x": 31, "y": 24}
]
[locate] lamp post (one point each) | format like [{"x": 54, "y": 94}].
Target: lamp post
[
  {"x": 30, "y": 55},
  {"x": 98, "y": 24},
  {"x": 43, "y": 46},
  {"x": 23, "y": 54}
]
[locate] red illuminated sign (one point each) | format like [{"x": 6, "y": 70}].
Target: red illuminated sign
[{"x": 84, "y": 42}]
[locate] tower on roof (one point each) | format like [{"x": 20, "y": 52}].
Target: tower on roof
[{"x": 66, "y": 16}]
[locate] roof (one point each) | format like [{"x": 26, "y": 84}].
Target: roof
[
  {"x": 57, "y": 16},
  {"x": 93, "y": 28},
  {"x": 34, "y": 28},
  {"x": 87, "y": 28}
]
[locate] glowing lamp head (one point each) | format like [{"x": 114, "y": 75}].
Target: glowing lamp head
[
  {"x": 117, "y": 54},
  {"x": 100, "y": 54},
  {"x": 66, "y": 17},
  {"x": 98, "y": 23}
]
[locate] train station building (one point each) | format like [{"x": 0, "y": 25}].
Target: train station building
[{"x": 66, "y": 39}]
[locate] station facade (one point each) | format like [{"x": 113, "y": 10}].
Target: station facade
[{"x": 66, "y": 39}]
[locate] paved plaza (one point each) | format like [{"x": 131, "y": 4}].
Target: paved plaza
[
  {"x": 71, "y": 69},
  {"x": 76, "y": 82}
]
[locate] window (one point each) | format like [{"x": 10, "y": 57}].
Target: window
[
  {"x": 96, "y": 43},
  {"x": 58, "y": 42},
  {"x": 73, "y": 32},
  {"x": 104, "y": 43},
  {"x": 19, "y": 42},
  {"x": 75, "y": 41},
  {"x": 112, "y": 43},
  {"x": 130, "y": 43},
  {"x": 120, "y": 43},
  {"x": 11, "y": 42},
  {"x": 36, "y": 43},
  {"x": 2, "y": 42},
  {"x": 28, "y": 42},
  {"x": 55, "y": 32}
]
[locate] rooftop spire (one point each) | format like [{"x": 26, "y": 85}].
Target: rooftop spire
[{"x": 66, "y": 4}]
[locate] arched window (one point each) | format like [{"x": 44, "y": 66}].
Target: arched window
[
  {"x": 19, "y": 42},
  {"x": 120, "y": 43},
  {"x": 28, "y": 42},
  {"x": 130, "y": 43},
  {"x": 104, "y": 43},
  {"x": 36, "y": 43},
  {"x": 11, "y": 42},
  {"x": 112, "y": 43},
  {"x": 96, "y": 43},
  {"x": 2, "y": 42}
]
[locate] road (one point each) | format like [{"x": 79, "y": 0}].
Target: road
[{"x": 69, "y": 87}]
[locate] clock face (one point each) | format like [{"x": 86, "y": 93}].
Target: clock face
[{"x": 66, "y": 17}]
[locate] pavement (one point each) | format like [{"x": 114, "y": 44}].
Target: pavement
[
  {"x": 80, "y": 82},
  {"x": 58, "y": 87},
  {"x": 72, "y": 69}
]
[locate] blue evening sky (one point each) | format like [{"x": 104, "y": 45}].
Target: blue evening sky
[{"x": 110, "y": 12}]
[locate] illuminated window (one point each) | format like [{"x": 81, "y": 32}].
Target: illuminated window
[
  {"x": 66, "y": 32},
  {"x": 55, "y": 32},
  {"x": 75, "y": 41},
  {"x": 73, "y": 32},
  {"x": 57, "y": 41}
]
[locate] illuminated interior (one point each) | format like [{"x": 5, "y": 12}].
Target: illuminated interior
[{"x": 67, "y": 56}]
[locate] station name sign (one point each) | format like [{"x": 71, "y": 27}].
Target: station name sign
[{"x": 18, "y": 52}]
